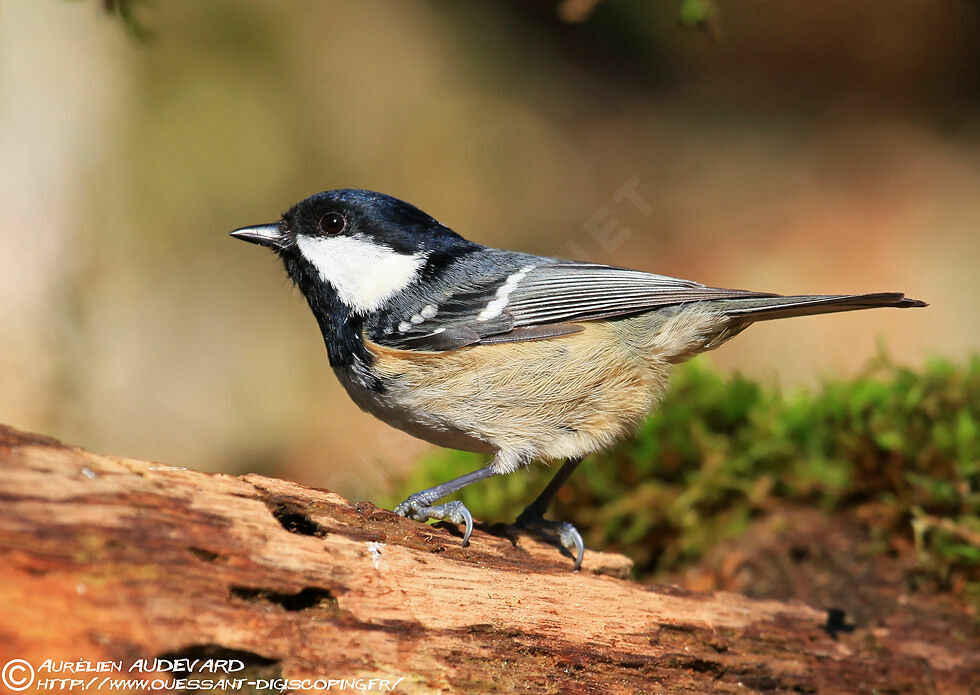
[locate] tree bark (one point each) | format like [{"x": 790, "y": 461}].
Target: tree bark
[{"x": 111, "y": 559}]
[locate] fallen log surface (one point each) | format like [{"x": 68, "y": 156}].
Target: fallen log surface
[{"x": 111, "y": 559}]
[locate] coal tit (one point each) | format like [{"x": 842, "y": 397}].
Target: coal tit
[{"x": 519, "y": 356}]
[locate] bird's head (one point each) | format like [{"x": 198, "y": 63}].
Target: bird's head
[{"x": 363, "y": 246}]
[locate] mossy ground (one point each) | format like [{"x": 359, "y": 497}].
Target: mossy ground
[{"x": 895, "y": 450}]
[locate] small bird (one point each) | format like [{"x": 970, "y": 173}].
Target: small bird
[{"x": 519, "y": 356}]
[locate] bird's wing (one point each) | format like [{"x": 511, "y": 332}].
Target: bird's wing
[
  {"x": 585, "y": 292},
  {"x": 540, "y": 298}
]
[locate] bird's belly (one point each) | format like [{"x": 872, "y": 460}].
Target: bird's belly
[
  {"x": 556, "y": 398},
  {"x": 399, "y": 414}
]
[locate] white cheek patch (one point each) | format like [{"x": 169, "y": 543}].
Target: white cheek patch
[{"x": 364, "y": 273}]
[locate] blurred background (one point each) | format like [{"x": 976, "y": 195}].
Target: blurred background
[{"x": 782, "y": 146}]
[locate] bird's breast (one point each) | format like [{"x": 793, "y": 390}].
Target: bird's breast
[{"x": 554, "y": 398}]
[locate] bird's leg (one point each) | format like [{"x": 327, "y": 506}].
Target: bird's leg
[
  {"x": 532, "y": 518},
  {"x": 419, "y": 506}
]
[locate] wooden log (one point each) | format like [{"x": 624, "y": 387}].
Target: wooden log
[{"x": 112, "y": 559}]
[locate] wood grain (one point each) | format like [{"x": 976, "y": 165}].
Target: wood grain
[{"x": 111, "y": 558}]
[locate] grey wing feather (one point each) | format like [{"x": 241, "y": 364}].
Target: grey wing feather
[
  {"x": 515, "y": 297},
  {"x": 576, "y": 291},
  {"x": 529, "y": 298}
]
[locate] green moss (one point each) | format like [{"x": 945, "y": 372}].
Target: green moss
[{"x": 722, "y": 448}]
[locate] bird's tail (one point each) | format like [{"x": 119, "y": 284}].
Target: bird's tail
[
  {"x": 753, "y": 309},
  {"x": 683, "y": 330}
]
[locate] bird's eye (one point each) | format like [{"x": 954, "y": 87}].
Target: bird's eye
[{"x": 332, "y": 223}]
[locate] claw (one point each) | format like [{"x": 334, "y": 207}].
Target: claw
[
  {"x": 563, "y": 531},
  {"x": 469, "y": 525},
  {"x": 572, "y": 540},
  {"x": 454, "y": 512}
]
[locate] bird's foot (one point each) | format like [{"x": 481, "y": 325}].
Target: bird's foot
[
  {"x": 562, "y": 531},
  {"x": 454, "y": 512}
]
